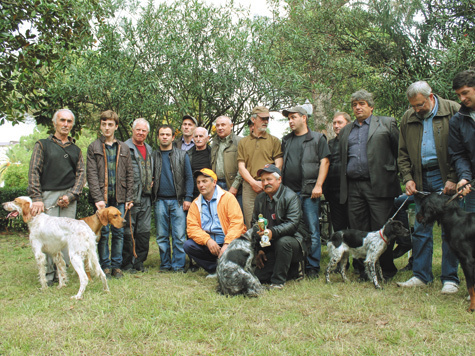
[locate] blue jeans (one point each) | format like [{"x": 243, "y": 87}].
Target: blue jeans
[
  {"x": 311, "y": 214},
  {"x": 469, "y": 201},
  {"x": 170, "y": 214},
  {"x": 117, "y": 243},
  {"x": 423, "y": 243}
]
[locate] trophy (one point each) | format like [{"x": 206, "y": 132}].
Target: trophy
[{"x": 262, "y": 223}]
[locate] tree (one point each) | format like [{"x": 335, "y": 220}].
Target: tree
[{"x": 37, "y": 36}]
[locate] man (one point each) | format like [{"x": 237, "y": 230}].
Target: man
[
  {"x": 331, "y": 188},
  {"x": 172, "y": 192},
  {"x": 369, "y": 180},
  {"x": 199, "y": 154},
  {"x": 224, "y": 149},
  {"x": 111, "y": 183},
  {"x": 425, "y": 166},
  {"x": 462, "y": 135},
  {"x": 214, "y": 220},
  {"x": 255, "y": 151},
  {"x": 188, "y": 125},
  {"x": 56, "y": 177},
  {"x": 283, "y": 259},
  {"x": 304, "y": 171},
  {"x": 141, "y": 212}
]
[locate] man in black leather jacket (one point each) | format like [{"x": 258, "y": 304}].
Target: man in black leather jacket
[{"x": 284, "y": 258}]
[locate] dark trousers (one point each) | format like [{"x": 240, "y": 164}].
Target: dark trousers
[
  {"x": 284, "y": 255},
  {"x": 368, "y": 212},
  {"x": 338, "y": 212},
  {"x": 201, "y": 255},
  {"x": 140, "y": 215}
]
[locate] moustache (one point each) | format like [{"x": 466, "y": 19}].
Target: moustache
[{"x": 268, "y": 186}]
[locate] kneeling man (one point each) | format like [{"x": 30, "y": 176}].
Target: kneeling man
[
  {"x": 283, "y": 259},
  {"x": 214, "y": 220}
]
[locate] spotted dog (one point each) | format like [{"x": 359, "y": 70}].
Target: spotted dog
[
  {"x": 367, "y": 245},
  {"x": 235, "y": 269}
]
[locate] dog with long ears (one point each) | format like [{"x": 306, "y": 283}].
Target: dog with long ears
[
  {"x": 104, "y": 217},
  {"x": 367, "y": 245},
  {"x": 459, "y": 229},
  {"x": 50, "y": 234},
  {"x": 235, "y": 269}
]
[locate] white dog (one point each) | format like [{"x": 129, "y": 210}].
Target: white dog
[{"x": 49, "y": 234}]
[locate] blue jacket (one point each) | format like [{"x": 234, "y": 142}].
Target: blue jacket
[{"x": 462, "y": 143}]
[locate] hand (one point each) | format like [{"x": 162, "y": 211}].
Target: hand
[
  {"x": 467, "y": 189},
  {"x": 37, "y": 208},
  {"x": 213, "y": 247},
  {"x": 63, "y": 201},
  {"x": 186, "y": 205},
  {"x": 129, "y": 205},
  {"x": 100, "y": 205},
  {"x": 316, "y": 192},
  {"x": 450, "y": 188},
  {"x": 262, "y": 233},
  {"x": 261, "y": 259},
  {"x": 225, "y": 246},
  {"x": 233, "y": 191},
  {"x": 411, "y": 187},
  {"x": 256, "y": 186}
]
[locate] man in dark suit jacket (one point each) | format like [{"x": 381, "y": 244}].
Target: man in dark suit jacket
[{"x": 369, "y": 180}]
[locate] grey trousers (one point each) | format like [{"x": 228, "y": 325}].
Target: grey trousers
[{"x": 49, "y": 199}]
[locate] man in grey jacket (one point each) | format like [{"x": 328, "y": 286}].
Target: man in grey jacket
[
  {"x": 425, "y": 166},
  {"x": 141, "y": 212}
]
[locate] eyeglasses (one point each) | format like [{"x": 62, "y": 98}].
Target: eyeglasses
[
  {"x": 419, "y": 106},
  {"x": 264, "y": 118}
]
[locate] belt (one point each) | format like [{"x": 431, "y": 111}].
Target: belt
[{"x": 431, "y": 168}]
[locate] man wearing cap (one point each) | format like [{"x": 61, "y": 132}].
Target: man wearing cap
[
  {"x": 224, "y": 149},
  {"x": 214, "y": 220},
  {"x": 305, "y": 169},
  {"x": 283, "y": 259},
  {"x": 172, "y": 191},
  {"x": 188, "y": 125},
  {"x": 255, "y": 151},
  {"x": 199, "y": 154}
]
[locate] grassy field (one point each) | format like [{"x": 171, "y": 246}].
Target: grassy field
[{"x": 181, "y": 314}]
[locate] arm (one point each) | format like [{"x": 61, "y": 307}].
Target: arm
[
  {"x": 129, "y": 200},
  {"x": 188, "y": 184},
  {"x": 291, "y": 220},
  {"x": 404, "y": 161},
  {"x": 255, "y": 185},
  {"x": 92, "y": 174},
  {"x": 34, "y": 175},
  {"x": 322, "y": 174},
  {"x": 459, "y": 157},
  {"x": 236, "y": 220},
  {"x": 193, "y": 225},
  {"x": 80, "y": 181}
]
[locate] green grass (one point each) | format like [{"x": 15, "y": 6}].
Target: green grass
[{"x": 181, "y": 314}]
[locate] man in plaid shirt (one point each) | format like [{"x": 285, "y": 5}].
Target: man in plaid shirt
[{"x": 56, "y": 176}]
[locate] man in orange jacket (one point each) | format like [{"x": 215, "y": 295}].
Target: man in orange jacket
[{"x": 214, "y": 220}]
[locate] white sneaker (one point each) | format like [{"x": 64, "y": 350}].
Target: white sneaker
[
  {"x": 468, "y": 298},
  {"x": 450, "y": 288},
  {"x": 413, "y": 282},
  {"x": 212, "y": 275}
]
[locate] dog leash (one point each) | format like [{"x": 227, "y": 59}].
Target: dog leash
[
  {"x": 459, "y": 192},
  {"x": 400, "y": 207},
  {"x": 131, "y": 232}
]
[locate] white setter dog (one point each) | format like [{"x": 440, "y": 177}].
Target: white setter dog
[{"x": 50, "y": 234}]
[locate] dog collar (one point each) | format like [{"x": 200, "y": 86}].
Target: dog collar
[{"x": 382, "y": 236}]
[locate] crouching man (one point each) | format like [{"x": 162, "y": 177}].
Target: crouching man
[
  {"x": 284, "y": 258},
  {"x": 214, "y": 220}
]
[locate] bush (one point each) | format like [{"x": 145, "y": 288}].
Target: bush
[{"x": 84, "y": 208}]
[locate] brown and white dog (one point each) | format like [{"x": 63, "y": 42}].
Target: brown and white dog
[{"x": 50, "y": 234}]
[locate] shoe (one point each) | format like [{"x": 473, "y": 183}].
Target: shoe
[
  {"x": 413, "y": 282},
  {"x": 117, "y": 273},
  {"x": 164, "y": 270},
  {"x": 276, "y": 286},
  {"x": 130, "y": 271},
  {"x": 179, "y": 270},
  {"x": 407, "y": 268},
  {"x": 311, "y": 273},
  {"x": 211, "y": 276},
  {"x": 107, "y": 272},
  {"x": 450, "y": 288},
  {"x": 194, "y": 268},
  {"x": 468, "y": 298}
]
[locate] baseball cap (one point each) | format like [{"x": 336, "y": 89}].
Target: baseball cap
[
  {"x": 295, "y": 109},
  {"x": 191, "y": 118},
  {"x": 260, "y": 111},
  {"x": 206, "y": 172},
  {"x": 269, "y": 168}
]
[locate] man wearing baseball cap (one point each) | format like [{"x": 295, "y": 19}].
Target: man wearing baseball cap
[
  {"x": 284, "y": 258},
  {"x": 188, "y": 125},
  {"x": 214, "y": 220},
  {"x": 255, "y": 151}
]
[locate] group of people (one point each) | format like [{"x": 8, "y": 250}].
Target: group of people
[{"x": 206, "y": 195}]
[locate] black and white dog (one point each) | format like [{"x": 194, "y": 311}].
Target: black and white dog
[
  {"x": 235, "y": 269},
  {"x": 459, "y": 229},
  {"x": 367, "y": 245}
]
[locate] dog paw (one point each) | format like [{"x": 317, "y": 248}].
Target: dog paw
[{"x": 77, "y": 297}]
